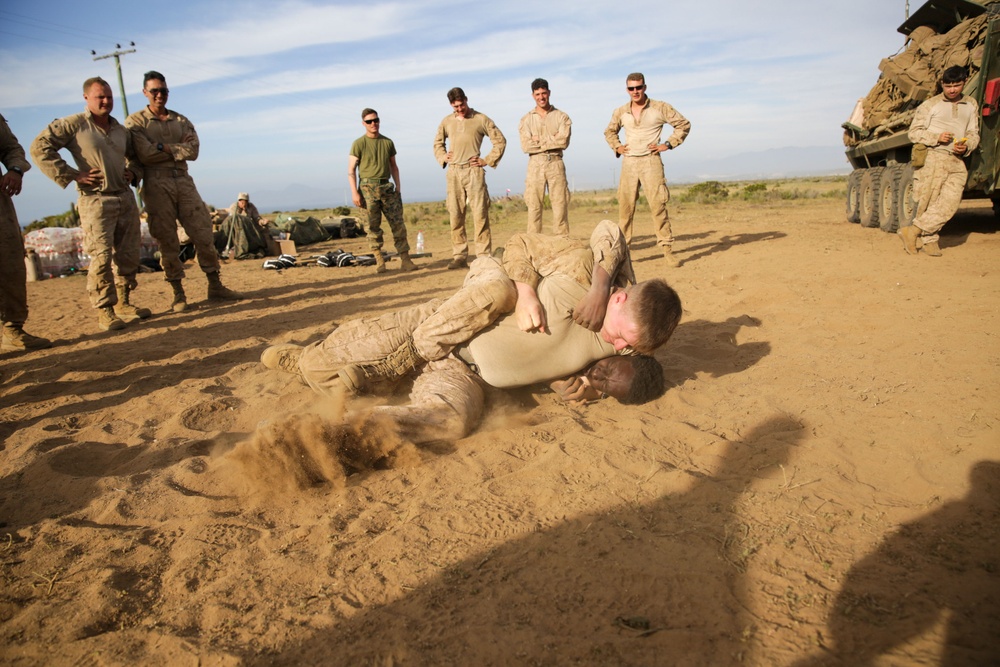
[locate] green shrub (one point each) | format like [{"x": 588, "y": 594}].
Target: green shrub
[{"x": 708, "y": 192}]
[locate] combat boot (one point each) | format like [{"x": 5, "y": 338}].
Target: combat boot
[
  {"x": 282, "y": 357},
  {"x": 362, "y": 378},
  {"x": 179, "y": 304},
  {"x": 669, "y": 258},
  {"x": 16, "y": 338},
  {"x": 458, "y": 263},
  {"x": 107, "y": 320},
  {"x": 126, "y": 310},
  {"x": 932, "y": 248},
  {"x": 405, "y": 263},
  {"x": 379, "y": 262},
  {"x": 218, "y": 291},
  {"x": 909, "y": 234}
]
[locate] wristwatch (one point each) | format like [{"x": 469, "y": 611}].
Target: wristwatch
[
  {"x": 17, "y": 170},
  {"x": 159, "y": 147}
]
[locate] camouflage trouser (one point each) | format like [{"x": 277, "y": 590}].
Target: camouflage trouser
[
  {"x": 468, "y": 184},
  {"x": 646, "y": 171},
  {"x": 13, "y": 290},
  {"x": 447, "y": 397},
  {"x": 941, "y": 184},
  {"x": 547, "y": 168},
  {"x": 110, "y": 235},
  {"x": 379, "y": 198},
  {"x": 171, "y": 199}
]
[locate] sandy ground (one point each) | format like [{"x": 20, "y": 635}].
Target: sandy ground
[{"x": 819, "y": 485}]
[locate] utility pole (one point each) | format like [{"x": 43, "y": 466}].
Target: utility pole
[
  {"x": 118, "y": 65},
  {"x": 121, "y": 86}
]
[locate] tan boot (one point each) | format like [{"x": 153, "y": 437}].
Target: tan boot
[
  {"x": 180, "y": 299},
  {"x": 124, "y": 308},
  {"x": 932, "y": 248},
  {"x": 283, "y": 357},
  {"x": 909, "y": 234},
  {"x": 458, "y": 263},
  {"x": 362, "y": 378},
  {"x": 379, "y": 262},
  {"x": 107, "y": 320},
  {"x": 405, "y": 263},
  {"x": 16, "y": 338},
  {"x": 218, "y": 291},
  {"x": 669, "y": 258}
]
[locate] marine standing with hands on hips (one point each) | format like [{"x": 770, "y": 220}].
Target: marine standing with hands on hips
[
  {"x": 105, "y": 161},
  {"x": 456, "y": 147},
  {"x": 643, "y": 120}
]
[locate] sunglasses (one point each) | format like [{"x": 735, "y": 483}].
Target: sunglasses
[
  {"x": 373, "y": 120},
  {"x": 159, "y": 91},
  {"x": 632, "y": 89}
]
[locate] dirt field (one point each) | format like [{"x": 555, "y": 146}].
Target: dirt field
[{"x": 819, "y": 485}]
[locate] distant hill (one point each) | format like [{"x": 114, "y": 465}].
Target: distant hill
[{"x": 762, "y": 165}]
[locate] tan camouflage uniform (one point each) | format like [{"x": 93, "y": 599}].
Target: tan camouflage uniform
[
  {"x": 13, "y": 290},
  {"x": 447, "y": 398},
  {"x": 108, "y": 212},
  {"x": 378, "y": 194},
  {"x": 641, "y": 167},
  {"x": 544, "y": 138},
  {"x": 939, "y": 184},
  {"x": 250, "y": 211},
  {"x": 169, "y": 193},
  {"x": 464, "y": 138}
]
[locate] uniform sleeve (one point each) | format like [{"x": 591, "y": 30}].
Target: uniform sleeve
[
  {"x": 45, "y": 152},
  {"x": 528, "y": 258},
  {"x": 918, "y": 133},
  {"x": 132, "y": 162},
  {"x": 681, "y": 125},
  {"x": 143, "y": 145},
  {"x": 11, "y": 152},
  {"x": 612, "y": 130},
  {"x": 611, "y": 253},
  {"x": 528, "y": 145},
  {"x": 972, "y": 132},
  {"x": 439, "y": 144},
  {"x": 560, "y": 140},
  {"x": 187, "y": 150},
  {"x": 497, "y": 141}
]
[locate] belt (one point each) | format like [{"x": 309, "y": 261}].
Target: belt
[
  {"x": 116, "y": 193},
  {"x": 174, "y": 172},
  {"x": 642, "y": 156},
  {"x": 376, "y": 181},
  {"x": 460, "y": 166},
  {"x": 548, "y": 155}
]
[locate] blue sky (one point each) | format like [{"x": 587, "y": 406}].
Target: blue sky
[{"x": 275, "y": 89}]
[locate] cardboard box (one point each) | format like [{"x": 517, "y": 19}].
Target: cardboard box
[{"x": 287, "y": 247}]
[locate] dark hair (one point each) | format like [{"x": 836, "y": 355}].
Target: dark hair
[
  {"x": 368, "y": 112},
  {"x": 636, "y": 76},
  {"x": 656, "y": 308},
  {"x": 955, "y": 74},
  {"x": 647, "y": 380},
  {"x": 91, "y": 81},
  {"x": 456, "y": 94},
  {"x": 539, "y": 83},
  {"x": 152, "y": 74}
]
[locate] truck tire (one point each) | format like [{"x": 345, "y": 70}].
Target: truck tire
[
  {"x": 888, "y": 199},
  {"x": 869, "y": 196},
  {"x": 854, "y": 195},
  {"x": 906, "y": 203}
]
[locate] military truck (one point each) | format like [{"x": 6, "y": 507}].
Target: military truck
[{"x": 939, "y": 34}]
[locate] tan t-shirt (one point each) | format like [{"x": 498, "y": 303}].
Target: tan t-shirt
[{"x": 505, "y": 356}]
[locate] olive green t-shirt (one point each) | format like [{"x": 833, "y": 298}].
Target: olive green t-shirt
[{"x": 373, "y": 156}]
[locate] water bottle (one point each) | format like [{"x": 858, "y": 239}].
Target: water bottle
[{"x": 420, "y": 242}]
